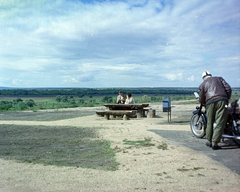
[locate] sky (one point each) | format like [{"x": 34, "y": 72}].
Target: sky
[{"x": 118, "y": 43}]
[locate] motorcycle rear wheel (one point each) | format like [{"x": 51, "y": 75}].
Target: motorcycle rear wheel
[{"x": 197, "y": 126}]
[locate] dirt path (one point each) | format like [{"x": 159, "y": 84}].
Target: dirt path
[{"x": 140, "y": 169}]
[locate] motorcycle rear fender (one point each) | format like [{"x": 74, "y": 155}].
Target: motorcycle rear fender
[{"x": 197, "y": 111}]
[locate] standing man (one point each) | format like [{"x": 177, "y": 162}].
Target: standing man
[
  {"x": 121, "y": 98},
  {"x": 214, "y": 94}
]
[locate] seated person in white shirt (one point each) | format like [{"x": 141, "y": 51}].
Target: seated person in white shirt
[{"x": 129, "y": 99}]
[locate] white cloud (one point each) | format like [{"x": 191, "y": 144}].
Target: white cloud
[
  {"x": 75, "y": 43},
  {"x": 174, "y": 77},
  {"x": 16, "y": 82},
  {"x": 191, "y": 78}
]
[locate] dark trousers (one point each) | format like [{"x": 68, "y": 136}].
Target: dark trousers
[{"x": 216, "y": 112}]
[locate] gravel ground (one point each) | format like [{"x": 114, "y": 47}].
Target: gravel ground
[{"x": 179, "y": 168}]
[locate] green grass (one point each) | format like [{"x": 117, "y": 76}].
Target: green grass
[
  {"x": 190, "y": 169},
  {"x": 60, "y": 146},
  {"x": 43, "y": 116},
  {"x": 163, "y": 146},
  {"x": 145, "y": 143}
]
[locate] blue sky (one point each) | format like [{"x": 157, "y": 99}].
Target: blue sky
[{"x": 140, "y": 43}]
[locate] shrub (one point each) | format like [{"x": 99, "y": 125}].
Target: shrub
[
  {"x": 107, "y": 99},
  {"x": 30, "y": 103},
  {"x": 22, "y": 106},
  {"x": 64, "y": 99},
  {"x": 58, "y": 98},
  {"x": 81, "y": 101},
  {"x": 144, "y": 98},
  {"x": 18, "y": 100}
]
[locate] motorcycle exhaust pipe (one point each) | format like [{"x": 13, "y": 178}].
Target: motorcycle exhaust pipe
[{"x": 231, "y": 137}]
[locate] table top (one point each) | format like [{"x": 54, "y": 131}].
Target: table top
[{"x": 126, "y": 106}]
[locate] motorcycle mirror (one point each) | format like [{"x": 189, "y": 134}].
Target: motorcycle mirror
[{"x": 196, "y": 95}]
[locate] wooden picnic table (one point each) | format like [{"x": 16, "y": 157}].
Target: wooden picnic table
[
  {"x": 139, "y": 107},
  {"x": 126, "y": 106},
  {"x": 126, "y": 111}
]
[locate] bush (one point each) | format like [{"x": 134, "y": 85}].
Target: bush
[
  {"x": 30, "y": 103},
  {"x": 22, "y": 106},
  {"x": 110, "y": 100},
  {"x": 153, "y": 98},
  {"x": 18, "y": 100},
  {"x": 81, "y": 101},
  {"x": 107, "y": 99},
  {"x": 58, "y": 98},
  {"x": 145, "y": 98},
  {"x": 64, "y": 99},
  {"x": 5, "y": 105},
  {"x": 72, "y": 102}
]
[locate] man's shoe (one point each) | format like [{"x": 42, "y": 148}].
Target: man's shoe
[
  {"x": 215, "y": 147},
  {"x": 209, "y": 144}
]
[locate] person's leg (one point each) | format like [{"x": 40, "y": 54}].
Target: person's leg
[
  {"x": 210, "y": 120},
  {"x": 221, "y": 119}
]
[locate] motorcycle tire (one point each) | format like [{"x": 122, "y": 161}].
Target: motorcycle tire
[
  {"x": 237, "y": 134},
  {"x": 197, "y": 126}
]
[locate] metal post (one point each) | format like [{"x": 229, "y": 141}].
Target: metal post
[{"x": 169, "y": 114}]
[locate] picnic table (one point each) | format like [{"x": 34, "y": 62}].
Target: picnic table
[
  {"x": 126, "y": 106},
  {"x": 124, "y": 110},
  {"x": 138, "y": 107}
]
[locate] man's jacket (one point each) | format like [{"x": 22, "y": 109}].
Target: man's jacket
[
  {"x": 121, "y": 99},
  {"x": 213, "y": 89}
]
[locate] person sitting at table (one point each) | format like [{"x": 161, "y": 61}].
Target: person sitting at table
[
  {"x": 121, "y": 98},
  {"x": 129, "y": 99}
]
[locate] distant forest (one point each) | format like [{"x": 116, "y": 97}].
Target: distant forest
[{"x": 98, "y": 92}]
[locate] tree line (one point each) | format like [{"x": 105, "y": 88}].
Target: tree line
[{"x": 97, "y": 92}]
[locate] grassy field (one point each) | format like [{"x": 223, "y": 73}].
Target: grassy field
[
  {"x": 43, "y": 116},
  {"x": 54, "y": 145},
  {"x": 60, "y": 146}
]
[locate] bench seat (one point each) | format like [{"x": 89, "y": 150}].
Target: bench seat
[{"x": 124, "y": 113}]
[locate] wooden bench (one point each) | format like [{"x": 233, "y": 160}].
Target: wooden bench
[{"x": 114, "y": 113}]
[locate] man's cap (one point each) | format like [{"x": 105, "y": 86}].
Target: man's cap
[{"x": 205, "y": 74}]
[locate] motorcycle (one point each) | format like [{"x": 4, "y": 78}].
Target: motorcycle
[{"x": 198, "y": 123}]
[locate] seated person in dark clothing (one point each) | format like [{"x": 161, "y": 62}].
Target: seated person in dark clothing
[{"x": 121, "y": 98}]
